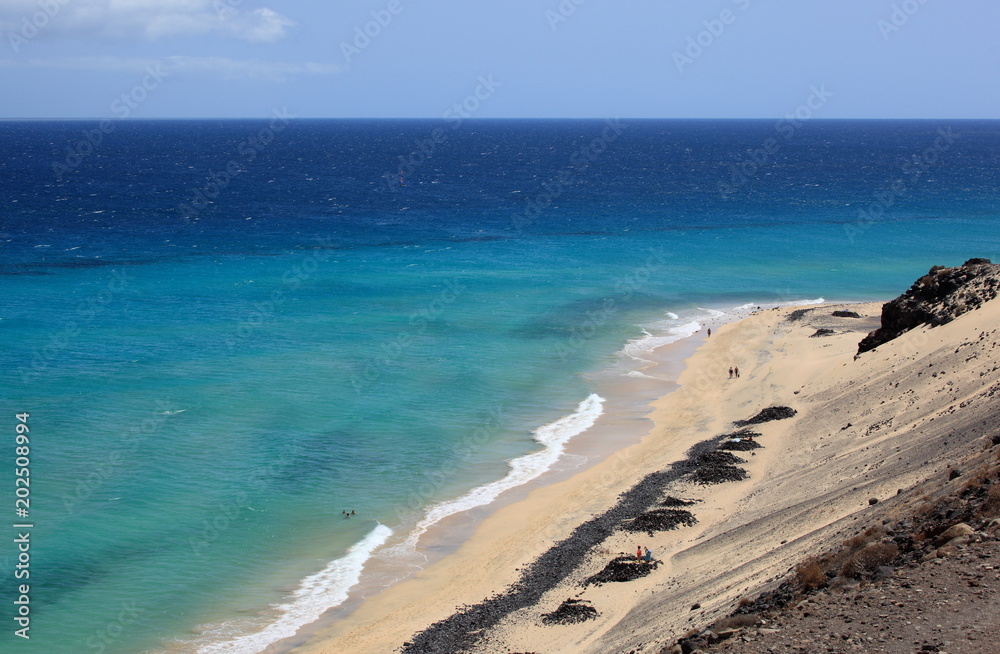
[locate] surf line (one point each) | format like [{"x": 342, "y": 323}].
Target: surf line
[{"x": 554, "y": 436}]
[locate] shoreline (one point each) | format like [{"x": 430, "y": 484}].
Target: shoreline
[
  {"x": 582, "y": 452},
  {"x": 393, "y": 563},
  {"x": 613, "y": 474}
]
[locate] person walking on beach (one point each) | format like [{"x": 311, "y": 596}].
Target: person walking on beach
[
  {"x": 730, "y": 373},
  {"x": 709, "y": 331},
  {"x": 737, "y": 370}
]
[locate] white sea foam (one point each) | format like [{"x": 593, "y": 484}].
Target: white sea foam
[
  {"x": 329, "y": 587},
  {"x": 640, "y": 348},
  {"x": 315, "y": 595},
  {"x": 713, "y": 313},
  {"x": 553, "y": 436},
  {"x": 640, "y": 375},
  {"x": 672, "y": 315},
  {"x": 750, "y": 306}
]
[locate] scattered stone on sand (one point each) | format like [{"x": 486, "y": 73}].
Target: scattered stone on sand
[
  {"x": 740, "y": 445},
  {"x": 928, "y": 607},
  {"x": 661, "y": 520},
  {"x": 767, "y": 415},
  {"x": 622, "y": 568},
  {"x": 717, "y": 457},
  {"x": 571, "y": 611},
  {"x": 739, "y": 441},
  {"x": 465, "y": 628},
  {"x": 798, "y": 314},
  {"x": 718, "y": 474},
  {"x": 926, "y": 581},
  {"x": 670, "y": 500},
  {"x": 742, "y": 433}
]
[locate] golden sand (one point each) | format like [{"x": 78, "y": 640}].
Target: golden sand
[{"x": 865, "y": 428}]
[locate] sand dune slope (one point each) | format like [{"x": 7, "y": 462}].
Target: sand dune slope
[{"x": 866, "y": 428}]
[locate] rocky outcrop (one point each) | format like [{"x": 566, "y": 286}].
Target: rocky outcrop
[{"x": 935, "y": 299}]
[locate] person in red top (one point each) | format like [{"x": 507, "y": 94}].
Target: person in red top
[{"x": 638, "y": 552}]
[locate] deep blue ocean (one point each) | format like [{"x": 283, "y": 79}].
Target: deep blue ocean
[{"x": 227, "y": 333}]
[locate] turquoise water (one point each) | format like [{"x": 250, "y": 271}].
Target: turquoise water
[{"x": 208, "y": 397}]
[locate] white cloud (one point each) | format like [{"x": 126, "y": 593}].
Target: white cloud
[
  {"x": 222, "y": 66},
  {"x": 149, "y": 20}
]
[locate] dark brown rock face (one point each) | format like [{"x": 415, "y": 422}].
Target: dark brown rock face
[{"x": 935, "y": 299}]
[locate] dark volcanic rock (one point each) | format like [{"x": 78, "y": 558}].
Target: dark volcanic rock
[
  {"x": 570, "y": 612},
  {"x": 740, "y": 444},
  {"x": 743, "y": 433},
  {"x": 823, "y": 331},
  {"x": 670, "y": 500},
  {"x": 716, "y": 466},
  {"x": 718, "y": 474},
  {"x": 740, "y": 441},
  {"x": 623, "y": 568},
  {"x": 661, "y": 520},
  {"x": 935, "y": 299},
  {"x": 846, "y": 314},
  {"x": 718, "y": 457},
  {"x": 466, "y": 628},
  {"x": 461, "y": 631},
  {"x": 768, "y": 414}
]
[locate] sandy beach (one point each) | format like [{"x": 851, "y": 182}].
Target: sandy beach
[{"x": 866, "y": 428}]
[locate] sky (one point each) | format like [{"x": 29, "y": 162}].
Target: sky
[{"x": 136, "y": 59}]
